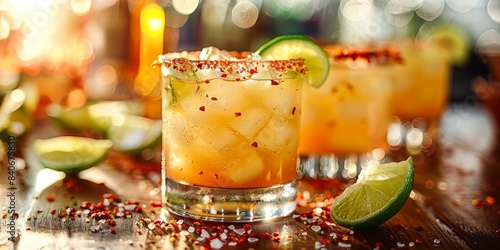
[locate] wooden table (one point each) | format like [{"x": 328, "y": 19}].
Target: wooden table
[{"x": 454, "y": 204}]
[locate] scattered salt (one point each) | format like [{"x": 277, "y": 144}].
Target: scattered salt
[
  {"x": 205, "y": 234},
  {"x": 342, "y": 244},
  {"x": 400, "y": 244},
  {"x": 315, "y": 228},
  {"x": 216, "y": 244},
  {"x": 252, "y": 239},
  {"x": 239, "y": 231},
  {"x": 411, "y": 244},
  {"x": 223, "y": 236},
  {"x": 318, "y": 245},
  {"x": 232, "y": 243},
  {"x": 437, "y": 241}
]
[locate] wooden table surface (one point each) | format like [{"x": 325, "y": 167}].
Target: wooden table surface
[{"x": 454, "y": 203}]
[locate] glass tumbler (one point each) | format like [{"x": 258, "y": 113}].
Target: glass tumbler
[
  {"x": 230, "y": 135},
  {"x": 421, "y": 96},
  {"x": 345, "y": 121}
]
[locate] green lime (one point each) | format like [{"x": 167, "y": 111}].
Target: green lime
[
  {"x": 133, "y": 134},
  {"x": 449, "y": 38},
  {"x": 71, "y": 154},
  {"x": 95, "y": 115},
  {"x": 378, "y": 194},
  {"x": 298, "y": 46}
]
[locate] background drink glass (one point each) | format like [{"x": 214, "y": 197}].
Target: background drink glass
[
  {"x": 421, "y": 96},
  {"x": 230, "y": 136},
  {"x": 345, "y": 121}
]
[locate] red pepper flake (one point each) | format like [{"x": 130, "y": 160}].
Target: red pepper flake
[
  {"x": 399, "y": 225},
  {"x": 237, "y": 114},
  {"x": 216, "y": 176},
  {"x": 198, "y": 88},
  {"x": 214, "y": 98},
  {"x": 255, "y": 144},
  {"x": 247, "y": 227},
  {"x": 378, "y": 244},
  {"x": 324, "y": 241},
  {"x": 28, "y": 229},
  {"x": 112, "y": 230},
  {"x": 293, "y": 110},
  {"x": 50, "y": 197},
  {"x": 274, "y": 82},
  {"x": 53, "y": 212},
  {"x": 155, "y": 203},
  {"x": 223, "y": 75},
  {"x": 206, "y": 81},
  {"x": 200, "y": 173},
  {"x": 202, "y": 108}
]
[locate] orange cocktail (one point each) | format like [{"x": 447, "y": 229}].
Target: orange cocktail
[
  {"x": 422, "y": 86},
  {"x": 350, "y": 113},
  {"x": 230, "y": 135}
]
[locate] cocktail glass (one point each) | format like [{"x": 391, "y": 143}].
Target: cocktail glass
[
  {"x": 345, "y": 121},
  {"x": 421, "y": 95},
  {"x": 230, "y": 135}
]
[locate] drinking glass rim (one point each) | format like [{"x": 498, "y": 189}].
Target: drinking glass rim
[{"x": 237, "y": 68}]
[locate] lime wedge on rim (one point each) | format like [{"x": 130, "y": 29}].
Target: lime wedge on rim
[
  {"x": 133, "y": 134},
  {"x": 71, "y": 154},
  {"x": 378, "y": 194},
  {"x": 299, "y": 46}
]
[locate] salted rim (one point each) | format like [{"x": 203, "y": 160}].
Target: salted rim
[
  {"x": 373, "y": 56},
  {"x": 239, "y": 67}
]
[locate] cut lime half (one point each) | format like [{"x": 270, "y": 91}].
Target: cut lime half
[
  {"x": 298, "y": 46},
  {"x": 133, "y": 134},
  {"x": 378, "y": 194},
  {"x": 71, "y": 154},
  {"x": 95, "y": 115}
]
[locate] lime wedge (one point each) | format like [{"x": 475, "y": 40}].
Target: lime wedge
[
  {"x": 450, "y": 38},
  {"x": 378, "y": 194},
  {"x": 133, "y": 134},
  {"x": 96, "y": 115},
  {"x": 71, "y": 154},
  {"x": 298, "y": 46}
]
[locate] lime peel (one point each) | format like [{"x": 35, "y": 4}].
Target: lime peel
[
  {"x": 298, "y": 46},
  {"x": 71, "y": 154},
  {"x": 378, "y": 194}
]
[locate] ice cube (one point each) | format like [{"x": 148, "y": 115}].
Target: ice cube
[
  {"x": 248, "y": 166},
  {"x": 277, "y": 134},
  {"x": 251, "y": 121},
  {"x": 213, "y": 53}
]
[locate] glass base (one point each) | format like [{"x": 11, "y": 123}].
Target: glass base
[
  {"x": 337, "y": 167},
  {"x": 230, "y": 205}
]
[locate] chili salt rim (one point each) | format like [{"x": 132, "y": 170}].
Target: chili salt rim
[
  {"x": 378, "y": 56},
  {"x": 240, "y": 67}
]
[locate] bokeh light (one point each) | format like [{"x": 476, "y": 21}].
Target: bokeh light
[
  {"x": 245, "y": 14},
  {"x": 185, "y": 7}
]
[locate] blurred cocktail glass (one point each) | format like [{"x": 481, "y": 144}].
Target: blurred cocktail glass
[
  {"x": 421, "y": 96},
  {"x": 230, "y": 134},
  {"x": 345, "y": 121}
]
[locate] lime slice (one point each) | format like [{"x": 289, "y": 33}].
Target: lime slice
[
  {"x": 71, "y": 154},
  {"x": 133, "y": 134},
  {"x": 95, "y": 115},
  {"x": 450, "y": 38},
  {"x": 378, "y": 194},
  {"x": 298, "y": 46}
]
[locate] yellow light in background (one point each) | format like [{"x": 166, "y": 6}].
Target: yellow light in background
[
  {"x": 4, "y": 28},
  {"x": 152, "y": 25},
  {"x": 81, "y": 7}
]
